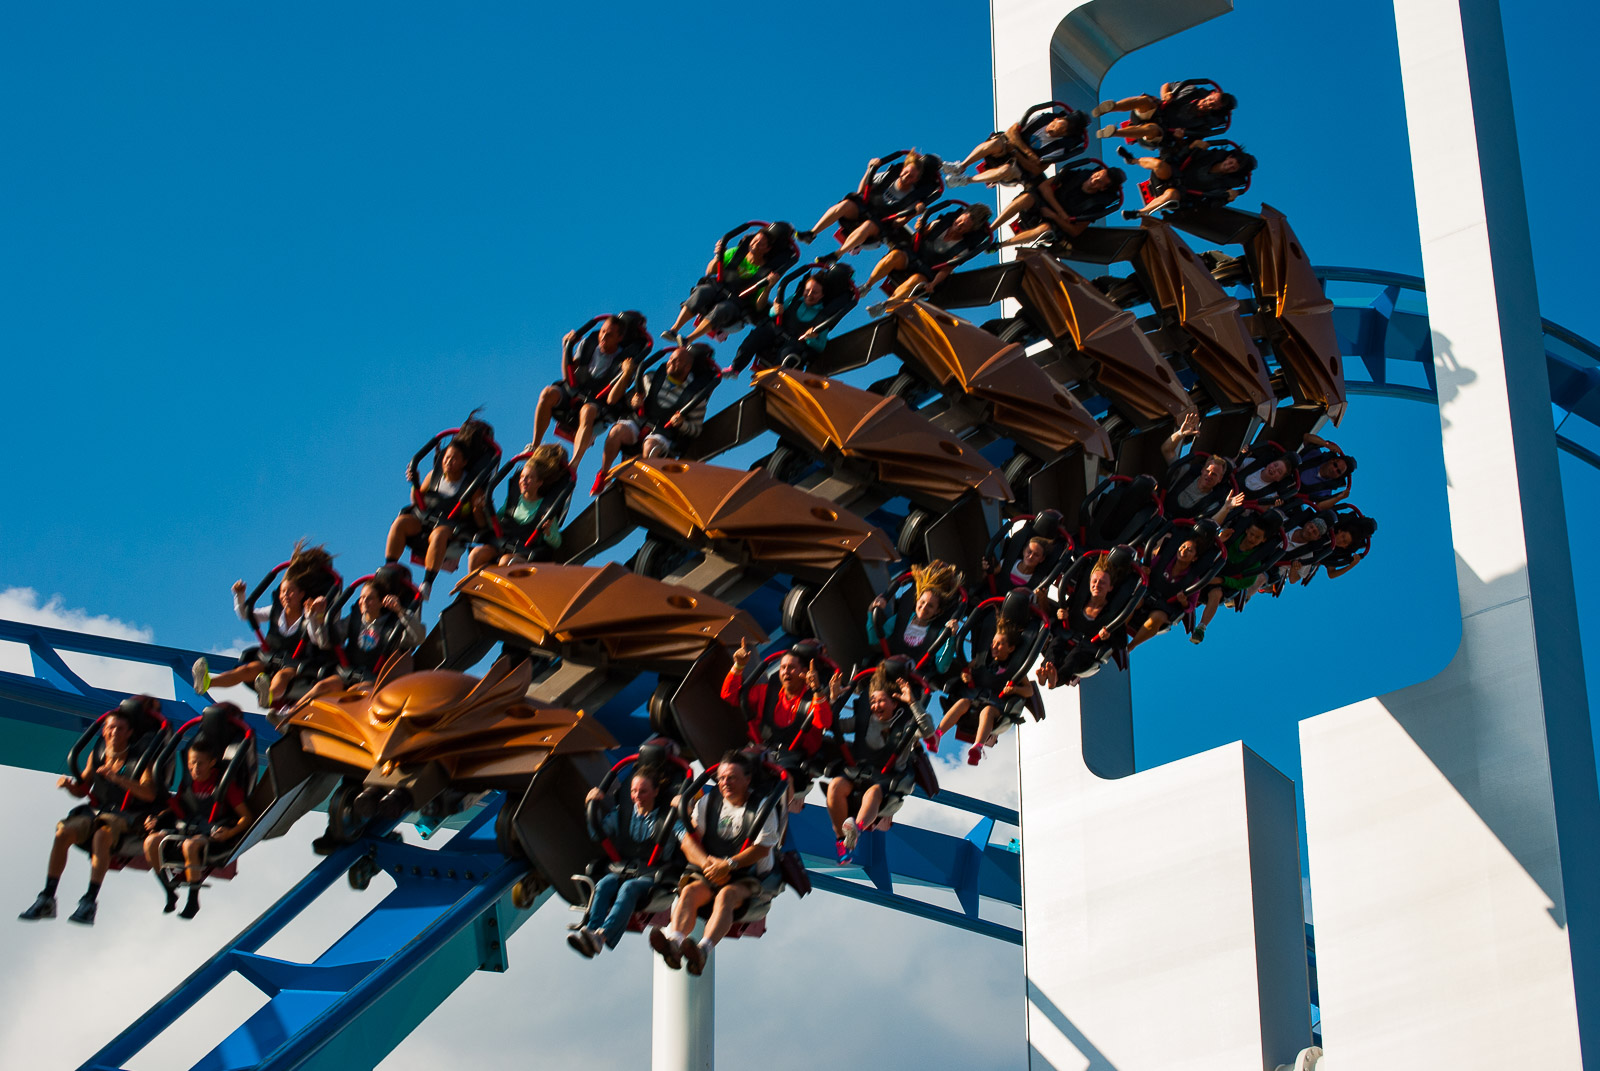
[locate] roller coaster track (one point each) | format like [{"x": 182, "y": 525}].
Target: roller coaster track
[{"x": 451, "y": 912}]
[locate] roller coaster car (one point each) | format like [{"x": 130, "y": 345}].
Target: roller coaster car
[
  {"x": 600, "y": 626},
  {"x": 867, "y": 439},
  {"x": 994, "y": 380},
  {"x": 754, "y": 526},
  {"x": 1095, "y": 341},
  {"x": 1170, "y": 276},
  {"x": 1296, "y": 315},
  {"x": 431, "y": 740}
]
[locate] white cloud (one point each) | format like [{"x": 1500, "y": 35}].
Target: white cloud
[{"x": 22, "y": 604}]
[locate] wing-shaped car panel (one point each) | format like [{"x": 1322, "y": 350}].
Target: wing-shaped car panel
[
  {"x": 772, "y": 523},
  {"x": 906, "y": 452},
  {"x": 1291, "y": 297},
  {"x": 604, "y": 611},
  {"x": 1182, "y": 288},
  {"x": 1073, "y": 313},
  {"x": 964, "y": 359}
]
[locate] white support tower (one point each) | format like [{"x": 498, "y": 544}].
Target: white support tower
[
  {"x": 1451, "y": 823},
  {"x": 1456, "y": 901}
]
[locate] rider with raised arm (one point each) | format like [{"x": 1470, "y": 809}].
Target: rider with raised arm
[
  {"x": 729, "y": 862},
  {"x": 894, "y": 190},
  {"x": 596, "y": 370},
  {"x": 274, "y": 664},
  {"x": 792, "y": 713},
  {"x": 383, "y": 622},
  {"x": 1049, "y": 133},
  {"x": 877, "y": 740},
  {"x": 1325, "y": 471}
]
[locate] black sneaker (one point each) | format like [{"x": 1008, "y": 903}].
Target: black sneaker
[
  {"x": 43, "y": 908},
  {"x": 1122, "y": 151},
  {"x": 579, "y": 940},
  {"x": 1129, "y": 213},
  {"x": 85, "y": 913},
  {"x": 806, "y": 237}
]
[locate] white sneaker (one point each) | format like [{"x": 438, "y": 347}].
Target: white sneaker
[
  {"x": 851, "y": 834},
  {"x": 1100, "y": 109},
  {"x": 424, "y": 591},
  {"x": 200, "y": 675}
]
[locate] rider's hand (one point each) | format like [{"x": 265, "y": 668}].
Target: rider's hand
[
  {"x": 392, "y": 604},
  {"x": 742, "y": 655},
  {"x": 318, "y": 607},
  {"x": 592, "y": 796},
  {"x": 63, "y": 782},
  {"x": 239, "y": 587},
  {"x": 880, "y": 603},
  {"x": 906, "y": 695}
]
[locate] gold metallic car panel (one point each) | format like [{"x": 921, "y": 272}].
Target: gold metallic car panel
[
  {"x": 965, "y": 359},
  {"x": 1290, "y": 290},
  {"x": 630, "y": 618},
  {"x": 906, "y": 450},
  {"x": 1181, "y": 285},
  {"x": 778, "y": 525},
  {"x": 482, "y": 732},
  {"x": 1127, "y": 365}
]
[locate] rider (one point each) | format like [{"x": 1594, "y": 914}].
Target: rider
[
  {"x": 273, "y": 665},
  {"x": 594, "y": 378},
  {"x": 1066, "y": 203},
  {"x": 774, "y": 711},
  {"x": 738, "y": 281},
  {"x": 729, "y": 862},
  {"x": 1094, "y": 615},
  {"x": 921, "y": 258},
  {"x": 669, "y": 407},
  {"x": 209, "y": 819},
  {"x": 529, "y": 520},
  {"x": 454, "y": 507},
  {"x": 927, "y": 636},
  {"x": 113, "y": 786},
  {"x": 1210, "y": 174},
  {"x": 877, "y": 743},
  {"x": 797, "y": 331},
  {"x": 995, "y": 682},
  {"x": 383, "y": 622},
  {"x": 891, "y": 192},
  {"x": 1049, "y": 133},
  {"x": 634, "y": 828},
  {"x": 1182, "y": 560},
  {"x": 1197, "y": 484},
  {"x": 1325, "y": 471},
  {"x": 1186, "y": 112},
  {"x": 1252, "y": 541}
]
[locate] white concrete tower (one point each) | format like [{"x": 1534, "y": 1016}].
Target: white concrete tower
[{"x": 1450, "y": 824}]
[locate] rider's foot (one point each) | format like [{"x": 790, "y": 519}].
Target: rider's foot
[
  {"x": 84, "y": 915},
  {"x": 200, "y": 674},
  {"x": 1198, "y": 635},
  {"x": 43, "y": 908}
]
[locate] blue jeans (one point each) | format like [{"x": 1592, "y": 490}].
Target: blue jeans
[{"x": 613, "y": 904}]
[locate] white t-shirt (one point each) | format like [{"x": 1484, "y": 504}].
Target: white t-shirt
[
  {"x": 915, "y": 633},
  {"x": 731, "y": 819}
]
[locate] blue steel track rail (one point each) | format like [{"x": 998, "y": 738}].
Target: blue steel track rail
[{"x": 450, "y": 912}]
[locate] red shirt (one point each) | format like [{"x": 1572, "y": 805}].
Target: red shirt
[
  {"x": 232, "y": 799},
  {"x": 785, "y": 713}
]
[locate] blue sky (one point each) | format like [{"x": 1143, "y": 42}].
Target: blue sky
[{"x": 258, "y": 255}]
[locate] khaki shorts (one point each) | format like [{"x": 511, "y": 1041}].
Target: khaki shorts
[
  {"x": 748, "y": 882},
  {"x": 82, "y": 822}
]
